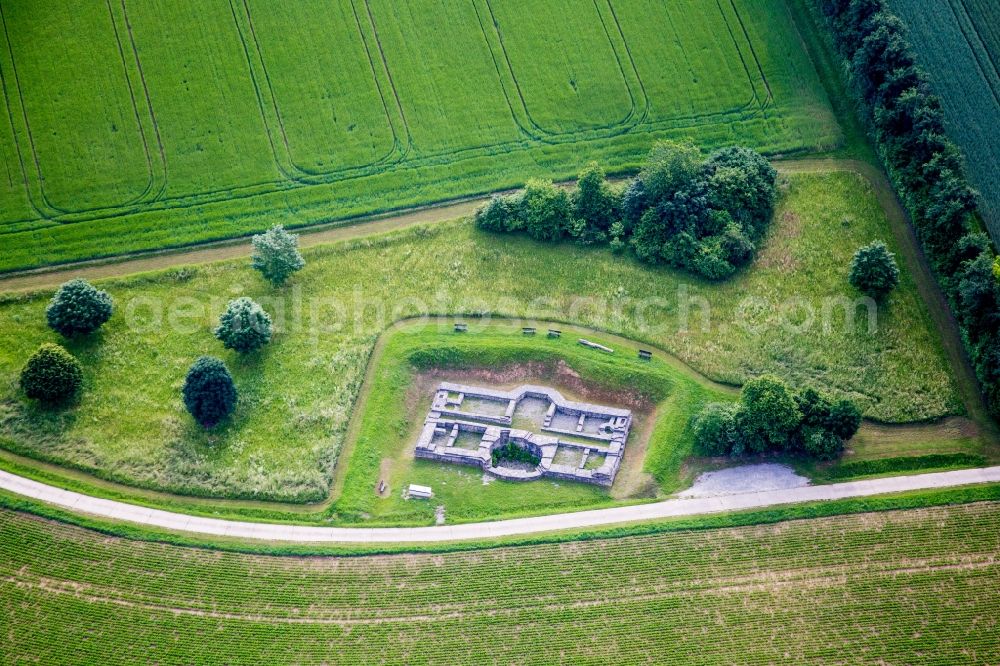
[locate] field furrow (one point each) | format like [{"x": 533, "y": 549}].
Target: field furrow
[{"x": 871, "y": 587}]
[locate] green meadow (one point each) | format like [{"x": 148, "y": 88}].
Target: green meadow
[{"x": 298, "y": 395}]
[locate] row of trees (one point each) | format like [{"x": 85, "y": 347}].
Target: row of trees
[
  {"x": 771, "y": 418},
  {"x": 906, "y": 120},
  {"x": 54, "y": 377},
  {"x": 704, "y": 215}
]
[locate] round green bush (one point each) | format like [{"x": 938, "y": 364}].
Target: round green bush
[
  {"x": 209, "y": 392},
  {"x": 499, "y": 214},
  {"x": 874, "y": 270},
  {"x": 52, "y": 375},
  {"x": 78, "y": 308},
  {"x": 276, "y": 255},
  {"x": 822, "y": 443},
  {"x": 715, "y": 429},
  {"x": 244, "y": 326},
  {"x": 769, "y": 416},
  {"x": 546, "y": 209}
]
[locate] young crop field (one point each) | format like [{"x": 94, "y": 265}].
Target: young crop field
[
  {"x": 162, "y": 123},
  {"x": 297, "y": 396},
  {"x": 958, "y": 42},
  {"x": 896, "y": 587}
]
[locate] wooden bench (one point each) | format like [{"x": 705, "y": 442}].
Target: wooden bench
[
  {"x": 645, "y": 355},
  {"x": 528, "y": 330},
  {"x": 461, "y": 328},
  {"x": 553, "y": 333}
]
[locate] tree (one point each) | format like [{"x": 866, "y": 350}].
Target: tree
[
  {"x": 844, "y": 419},
  {"x": 78, "y": 308},
  {"x": 546, "y": 210},
  {"x": 671, "y": 167},
  {"x": 244, "y": 326},
  {"x": 744, "y": 185},
  {"x": 209, "y": 392},
  {"x": 769, "y": 415},
  {"x": 978, "y": 297},
  {"x": 499, "y": 214},
  {"x": 874, "y": 270},
  {"x": 715, "y": 431},
  {"x": 276, "y": 255},
  {"x": 52, "y": 375},
  {"x": 815, "y": 408},
  {"x": 594, "y": 204},
  {"x": 822, "y": 443},
  {"x": 987, "y": 359},
  {"x": 633, "y": 205}
]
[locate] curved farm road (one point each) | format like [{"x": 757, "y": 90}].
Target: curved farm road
[
  {"x": 115, "y": 510},
  {"x": 110, "y": 509}
]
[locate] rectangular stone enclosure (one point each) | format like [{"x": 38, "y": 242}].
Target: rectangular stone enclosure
[{"x": 575, "y": 441}]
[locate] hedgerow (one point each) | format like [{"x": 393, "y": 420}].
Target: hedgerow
[{"x": 905, "y": 118}]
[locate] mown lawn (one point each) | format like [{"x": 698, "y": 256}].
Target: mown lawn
[
  {"x": 918, "y": 586},
  {"x": 297, "y": 395}
]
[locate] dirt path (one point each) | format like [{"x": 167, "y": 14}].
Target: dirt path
[
  {"x": 229, "y": 249},
  {"x": 364, "y": 226}
]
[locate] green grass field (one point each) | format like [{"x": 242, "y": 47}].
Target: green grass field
[
  {"x": 162, "y": 124},
  {"x": 297, "y": 396},
  {"x": 896, "y": 587},
  {"x": 958, "y": 42}
]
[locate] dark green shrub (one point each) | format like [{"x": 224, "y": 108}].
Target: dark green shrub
[
  {"x": 744, "y": 185},
  {"x": 513, "y": 453},
  {"x": 715, "y": 432},
  {"x": 499, "y": 214},
  {"x": 595, "y": 205},
  {"x": 874, "y": 270},
  {"x": 697, "y": 214},
  {"x": 978, "y": 298},
  {"x": 52, "y": 375},
  {"x": 546, "y": 211},
  {"x": 821, "y": 443},
  {"x": 844, "y": 419},
  {"x": 769, "y": 416},
  {"x": 276, "y": 255},
  {"x": 209, "y": 392},
  {"x": 78, "y": 308},
  {"x": 244, "y": 326},
  {"x": 633, "y": 204}
]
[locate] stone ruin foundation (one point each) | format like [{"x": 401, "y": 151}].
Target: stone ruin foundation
[{"x": 576, "y": 441}]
